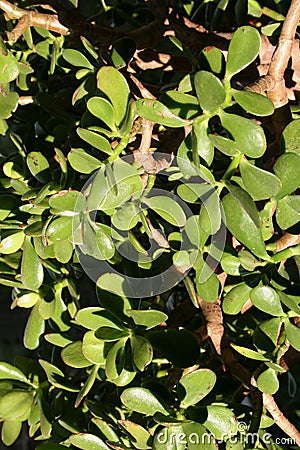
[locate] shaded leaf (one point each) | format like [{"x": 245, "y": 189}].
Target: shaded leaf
[
  {"x": 157, "y": 112},
  {"x": 194, "y": 386},
  {"x": 243, "y": 49}
]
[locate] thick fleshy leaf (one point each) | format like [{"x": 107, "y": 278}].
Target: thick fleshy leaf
[
  {"x": 60, "y": 229},
  {"x": 210, "y": 91},
  {"x": 72, "y": 355},
  {"x": 212, "y": 59},
  {"x": 236, "y": 298},
  {"x": 183, "y": 105},
  {"x": 266, "y": 334},
  {"x": 8, "y": 402},
  {"x": 242, "y": 220},
  {"x": 9, "y": 372},
  {"x": 122, "y": 52},
  {"x": 66, "y": 202},
  {"x": 248, "y": 136},
  {"x": 35, "y": 327},
  {"x": 112, "y": 83},
  {"x": 83, "y": 162},
  {"x": 110, "y": 334},
  {"x": 10, "y": 431},
  {"x": 259, "y": 183},
  {"x": 226, "y": 146},
  {"x": 93, "y": 348},
  {"x": 126, "y": 217},
  {"x": 8, "y": 204},
  {"x": 290, "y": 140},
  {"x": 63, "y": 250},
  {"x": 28, "y": 300},
  {"x": 141, "y": 437},
  {"x": 94, "y": 317},
  {"x": 220, "y": 421},
  {"x": 143, "y": 401},
  {"x": 288, "y": 211},
  {"x": 148, "y": 318},
  {"x": 248, "y": 353},
  {"x": 57, "y": 378},
  {"x": 293, "y": 335},
  {"x": 103, "y": 109},
  {"x": 254, "y": 103},
  {"x": 267, "y": 382},
  {"x": 32, "y": 273},
  {"x": 178, "y": 346},
  {"x": 194, "y": 386},
  {"x": 142, "y": 352},
  {"x": 87, "y": 441},
  {"x": 266, "y": 299},
  {"x": 287, "y": 169},
  {"x": 77, "y": 59},
  {"x": 167, "y": 208},
  {"x": 39, "y": 166},
  {"x": 9, "y": 68},
  {"x": 12, "y": 243},
  {"x": 210, "y": 216},
  {"x": 204, "y": 145},
  {"x": 95, "y": 140},
  {"x": 8, "y": 104},
  {"x": 208, "y": 289},
  {"x": 243, "y": 49},
  {"x": 157, "y": 112}
]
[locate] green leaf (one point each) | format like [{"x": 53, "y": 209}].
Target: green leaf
[
  {"x": 8, "y": 402},
  {"x": 94, "y": 317},
  {"x": 122, "y": 52},
  {"x": 212, "y": 60},
  {"x": 67, "y": 202},
  {"x": 266, "y": 299},
  {"x": 87, "y": 441},
  {"x": 28, "y": 300},
  {"x": 35, "y": 327},
  {"x": 293, "y": 335},
  {"x": 112, "y": 83},
  {"x": 8, "y": 204},
  {"x": 142, "y": 352},
  {"x": 32, "y": 273},
  {"x": 96, "y": 242},
  {"x": 288, "y": 211},
  {"x": 167, "y": 208},
  {"x": 226, "y": 146},
  {"x": 57, "y": 378},
  {"x": 10, "y": 431},
  {"x": 60, "y": 229},
  {"x": 287, "y": 169},
  {"x": 77, "y": 59},
  {"x": 267, "y": 382},
  {"x": 248, "y": 353},
  {"x": 103, "y": 109},
  {"x": 9, "y": 372},
  {"x": 236, "y": 298},
  {"x": 204, "y": 145},
  {"x": 259, "y": 183},
  {"x": 248, "y": 136},
  {"x": 72, "y": 356},
  {"x": 93, "y": 348},
  {"x": 9, "y": 67},
  {"x": 143, "y": 401},
  {"x": 210, "y": 217},
  {"x": 95, "y": 140},
  {"x": 183, "y": 105},
  {"x": 243, "y": 49},
  {"x": 12, "y": 243},
  {"x": 290, "y": 139},
  {"x": 210, "y": 91},
  {"x": 83, "y": 162},
  {"x": 220, "y": 421},
  {"x": 126, "y": 217},
  {"x": 39, "y": 167},
  {"x": 254, "y": 103},
  {"x": 8, "y": 104},
  {"x": 157, "y": 112},
  {"x": 63, "y": 251},
  {"x": 242, "y": 220},
  {"x": 148, "y": 318},
  {"x": 141, "y": 437},
  {"x": 111, "y": 334},
  {"x": 180, "y": 347},
  {"x": 194, "y": 386},
  {"x": 208, "y": 290}
]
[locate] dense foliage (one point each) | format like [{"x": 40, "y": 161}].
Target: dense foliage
[{"x": 128, "y": 148}]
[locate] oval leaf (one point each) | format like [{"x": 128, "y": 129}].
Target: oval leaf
[
  {"x": 243, "y": 49},
  {"x": 194, "y": 386},
  {"x": 168, "y": 209},
  {"x": 157, "y": 112},
  {"x": 267, "y": 382},
  {"x": 142, "y": 401},
  {"x": 87, "y": 441},
  {"x": 254, "y": 103},
  {"x": 266, "y": 299},
  {"x": 95, "y": 140},
  {"x": 259, "y": 183},
  {"x": 210, "y": 91},
  {"x": 32, "y": 273}
]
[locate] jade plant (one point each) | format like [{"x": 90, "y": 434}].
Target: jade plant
[{"x": 176, "y": 194}]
